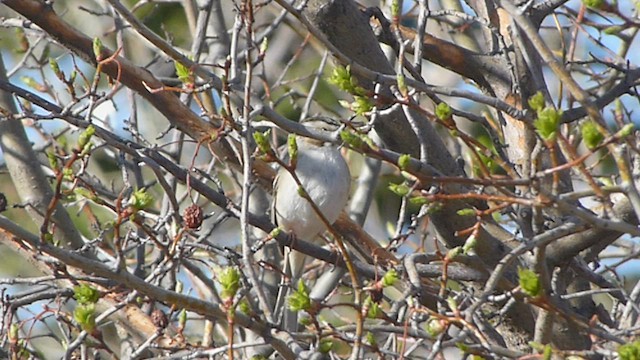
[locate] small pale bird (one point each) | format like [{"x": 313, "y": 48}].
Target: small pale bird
[{"x": 325, "y": 176}]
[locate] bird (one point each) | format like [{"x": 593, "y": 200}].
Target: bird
[{"x": 325, "y": 176}]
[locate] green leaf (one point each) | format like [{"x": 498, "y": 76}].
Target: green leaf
[
  {"x": 547, "y": 123},
  {"x": 182, "y": 318},
  {"x": 97, "y": 49},
  {"x": 548, "y": 351},
  {"x": 354, "y": 140},
  {"x": 184, "y": 73},
  {"x": 361, "y": 105},
  {"x": 86, "y": 294},
  {"x": 591, "y": 136},
  {"x": 418, "y": 200},
  {"x": 262, "y": 141},
  {"x": 86, "y": 136},
  {"x": 373, "y": 308},
  {"x": 299, "y": 299},
  {"x": 530, "y": 282},
  {"x": 402, "y": 85},
  {"x": 395, "y": 8},
  {"x": 371, "y": 339},
  {"x": 594, "y": 4},
  {"x": 292, "y": 145},
  {"x": 469, "y": 244},
  {"x": 630, "y": 351},
  {"x": 229, "y": 280},
  {"x": 389, "y": 278},
  {"x": 244, "y": 307},
  {"x": 53, "y": 160},
  {"x": 341, "y": 77},
  {"x": 614, "y": 30},
  {"x": 325, "y": 346},
  {"x": 264, "y": 45},
  {"x": 56, "y": 68},
  {"x": 140, "y": 199},
  {"x": 434, "y": 327},
  {"x": 443, "y": 111},
  {"x": 403, "y": 161},
  {"x": 466, "y": 212},
  {"x": 85, "y": 316},
  {"x": 536, "y": 102},
  {"x": 626, "y": 130},
  {"x": 453, "y": 305},
  {"x": 400, "y": 189},
  {"x": 451, "y": 254},
  {"x": 32, "y": 83}
]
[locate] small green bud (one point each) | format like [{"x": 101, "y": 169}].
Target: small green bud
[
  {"x": 264, "y": 45},
  {"x": 302, "y": 192},
  {"x": 86, "y": 149},
  {"x": 352, "y": 139},
  {"x": 85, "y": 136},
  {"x": 529, "y": 282},
  {"x": 371, "y": 339},
  {"x": 547, "y": 123},
  {"x": 67, "y": 174},
  {"x": 244, "y": 307},
  {"x": 341, "y": 77},
  {"x": 48, "y": 238},
  {"x": 594, "y": 4},
  {"x": 229, "y": 280},
  {"x": 97, "y": 49},
  {"x": 418, "y": 200},
  {"x": 262, "y": 141},
  {"x": 53, "y": 160},
  {"x": 14, "y": 332},
  {"x": 86, "y": 294},
  {"x": 626, "y": 130},
  {"x": 629, "y": 351},
  {"x": 182, "y": 318},
  {"x": 434, "y": 327},
  {"x": 373, "y": 309},
  {"x": 400, "y": 189},
  {"x": 403, "y": 161},
  {"x": 469, "y": 244},
  {"x": 56, "y": 68},
  {"x": 275, "y": 232},
  {"x": 591, "y": 136},
  {"x": 452, "y": 303},
  {"x": 536, "y": 102},
  {"x": 32, "y": 83},
  {"x": 85, "y": 316},
  {"x": 184, "y": 73},
  {"x": 395, "y": 8},
  {"x": 614, "y": 30},
  {"x": 140, "y": 199},
  {"x": 466, "y": 212},
  {"x": 325, "y": 346},
  {"x": 299, "y": 299},
  {"x": 451, "y": 254},
  {"x": 548, "y": 351},
  {"x": 402, "y": 85},
  {"x": 389, "y": 278},
  {"x": 443, "y": 111},
  {"x": 362, "y": 105},
  {"x": 292, "y": 144},
  {"x": 304, "y": 320},
  {"x": 23, "y": 40}
]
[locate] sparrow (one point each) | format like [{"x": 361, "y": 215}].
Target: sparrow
[{"x": 325, "y": 176}]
